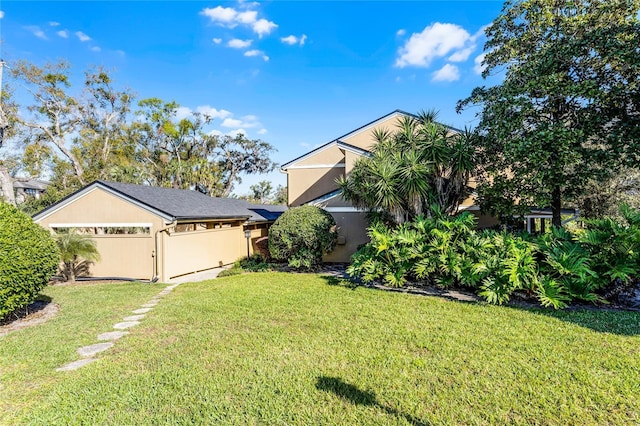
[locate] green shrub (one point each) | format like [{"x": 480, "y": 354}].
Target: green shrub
[
  {"x": 302, "y": 235},
  {"x": 28, "y": 259},
  {"x": 254, "y": 263},
  {"x": 230, "y": 272},
  {"x": 447, "y": 251}
]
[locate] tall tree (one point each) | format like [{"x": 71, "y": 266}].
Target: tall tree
[
  {"x": 420, "y": 163},
  {"x": 7, "y": 130},
  {"x": 240, "y": 155},
  {"x": 262, "y": 191},
  {"x": 55, "y": 117},
  {"x": 105, "y": 145},
  {"x": 568, "y": 109},
  {"x": 176, "y": 152},
  {"x": 181, "y": 153}
]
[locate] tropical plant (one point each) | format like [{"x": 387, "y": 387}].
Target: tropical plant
[
  {"x": 420, "y": 163},
  {"x": 302, "y": 235},
  {"x": 28, "y": 259},
  {"x": 78, "y": 252}
]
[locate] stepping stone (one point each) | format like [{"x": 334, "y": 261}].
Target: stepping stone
[
  {"x": 76, "y": 364},
  {"x": 112, "y": 335},
  {"x": 91, "y": 350},
  {"x": 141, "y": 311},
  {"x": 126, "y": 324},
  {"x": 134, "y": 317},
  {"x": 149, "y": 305}
]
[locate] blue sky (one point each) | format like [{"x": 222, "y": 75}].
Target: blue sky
[{"x": 296, "y": 74}]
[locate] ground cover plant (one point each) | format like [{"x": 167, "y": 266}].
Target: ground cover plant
[
  {"x": 558, "y": 267},
  {"x": 299, "y": 349}
]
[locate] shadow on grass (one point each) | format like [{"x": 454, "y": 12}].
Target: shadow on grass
[
  {"x": 340, "y": 282},
  {"x": 356, "y": 396},
  {"x": 41, "y": 301},
  {"x": 624, "y": 323}
]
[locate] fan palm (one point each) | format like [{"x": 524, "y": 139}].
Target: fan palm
[{"x": 77, "y": 252}]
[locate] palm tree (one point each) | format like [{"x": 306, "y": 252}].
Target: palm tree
[
  {"x": 421, "y": 163},
  {"x": 74, "y": 247}
]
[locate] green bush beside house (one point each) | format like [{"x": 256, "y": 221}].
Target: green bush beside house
[
  {"x": 29, "y": 258},
  {"x": 302, "y": 235}
]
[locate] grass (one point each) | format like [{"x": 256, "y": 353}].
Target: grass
[{"x": 272, "y": 348}]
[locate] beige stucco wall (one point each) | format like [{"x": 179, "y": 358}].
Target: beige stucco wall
[
  {"x": 329, "y": 155},
  {"x": 364, "y": 138},
  {"x": 352, "y": 227},
  {"x": 187, "y": 252},
  {"x": 129, "y": 256},
  {"x": 100, "y": 206},
  {"x": 350, "y": 159},
  {"x": 307, "y": 184}
]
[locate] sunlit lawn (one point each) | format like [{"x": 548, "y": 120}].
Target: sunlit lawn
[{"x": 275, "y": 348}]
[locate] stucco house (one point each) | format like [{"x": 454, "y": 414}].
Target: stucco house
[
  {"x": 147, "y": 233},
  {"x": 25, "y": 188},
  {"x": 311, "y": 179}
]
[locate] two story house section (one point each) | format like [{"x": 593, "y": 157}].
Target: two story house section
[{"x": 311, "y": 179}]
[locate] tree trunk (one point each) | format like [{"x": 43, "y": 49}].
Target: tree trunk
[
  {"x": 6, "y": 186},
  {"x": 556, "y": 207}
]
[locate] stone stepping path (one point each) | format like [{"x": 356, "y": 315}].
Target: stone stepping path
[{"x": 107, "y": 339}]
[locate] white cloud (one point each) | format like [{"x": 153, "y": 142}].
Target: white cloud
[
  {"x": 1, "y": 14},
  {"x": 217, "y": 40},
  {"x": 291, "y": 40},
  {"x": 401, "y": 32},
  {"x": 248, "y": 121},
  {"x": 236, "y": 43},
  {"x": 263, "y": 27},
  {"x": 462, "y": 55},
  {"x": 236, "y": 132},
  {"x": 121, "y": 52},
  {"x": 95, "y": 49},
  {"x": 82, "y": 36},
  {"x": 215, "y": 132},
  {"x": 248, "y": 17},
  {"x": 212, "y": 112},
  {"x": 305, "y": 144},
  {"x": 231, "y": 122},
  {"x": 256, "y": 53},
  {"x": 36, "y": 31},
  {"x": 220, "y": 14},
  {"x": 262, "y": 131},
  {"x": 54, "y": 24},
  {"x": 183, "y": 112},
  {"x": 230, "y": 17},
  {"x": 447, "y": 73},
  {"x": 478, "y": 67},
  {"x": 435, "y": 41},
  {"x": 63, "y": 33}
]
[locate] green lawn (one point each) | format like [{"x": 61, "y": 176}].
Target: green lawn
[{"x": 274, "y": 348}]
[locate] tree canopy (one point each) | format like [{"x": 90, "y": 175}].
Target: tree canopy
[
  {"x": 568, "y": 109},
  {"x": 74, "y": 136},
  {"x": 418, "y": 164}
]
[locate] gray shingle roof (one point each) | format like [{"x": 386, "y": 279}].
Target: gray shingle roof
[{"x": 185, "y": 204}]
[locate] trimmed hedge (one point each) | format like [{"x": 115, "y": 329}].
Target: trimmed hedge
[
  {"x": 28, "y": 259},
  {"x": 302, "y": 235}
]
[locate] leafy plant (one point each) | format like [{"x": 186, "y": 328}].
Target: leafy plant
[
  {"x": 77, "y": 252},
  {"x": 302, "y": 235},
  {"x": 28, "y": 259}
]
